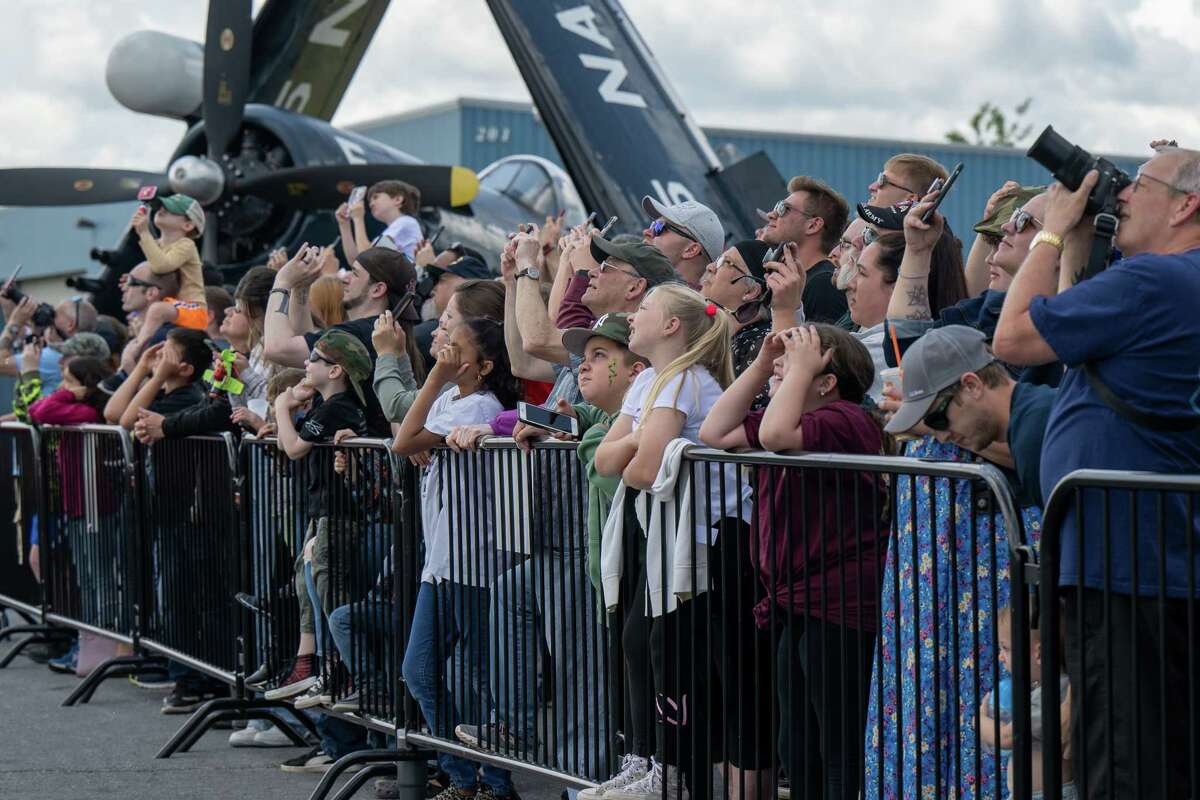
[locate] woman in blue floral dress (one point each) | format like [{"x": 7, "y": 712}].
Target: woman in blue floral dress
[{"x": 938, "y": 590}]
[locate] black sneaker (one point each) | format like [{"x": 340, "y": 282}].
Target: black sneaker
[
  {"x": 258, "y": 679},
  {"x": 252, "y": 603},
  {"x": 184, "y": 701},
  {"x": 315, "y": 760}
]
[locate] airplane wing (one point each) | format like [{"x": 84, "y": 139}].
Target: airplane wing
[
  {"x": 306, "y": 51},
  {"x": 621, "y": 130}
]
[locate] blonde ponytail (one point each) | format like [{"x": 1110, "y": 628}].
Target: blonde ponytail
[{"x": 709, "y": 340}]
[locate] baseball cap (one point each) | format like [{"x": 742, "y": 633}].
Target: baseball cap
[
  {"x": 696, "y": 218},
  {"x": 188, "y": 207},
  {"x": 887, "y": 218},
  {"x": 646, "y": 259},
  {"x": 613, "y": 326},
  {"x": 936, "y": 360},
  {"x": 393, "y": 269},
  {"x": 467, "y": 266},
  {"x": 348, "y": 352},
  {"x": 90, "y": 345},
  {"x": 990, "y": 225}
]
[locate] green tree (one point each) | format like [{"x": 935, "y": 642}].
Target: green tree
[{"x": 990, "y": 127}]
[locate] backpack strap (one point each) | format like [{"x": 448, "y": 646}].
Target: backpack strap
[{"x": 1155, "y": 422}]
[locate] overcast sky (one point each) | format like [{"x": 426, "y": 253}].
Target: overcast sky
[{"x": 1109, "y": 75}]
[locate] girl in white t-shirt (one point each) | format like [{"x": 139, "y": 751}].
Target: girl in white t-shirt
[
  {"x": 687, "y": 342},
  {"x": 452, "y": 602}
]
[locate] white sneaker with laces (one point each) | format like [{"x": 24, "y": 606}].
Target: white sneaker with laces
[
  {"x": 653, "y": 785},
  {"x": 243, "y": 737},
  {"x": 273, "y": 737},
  {"x": 633, "y": 769}
]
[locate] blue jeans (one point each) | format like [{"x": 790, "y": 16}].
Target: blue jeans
[
  {"x": 339, "y": 737},
  {"x": 371, "y": 618},
  {"x": 552, "y": 588},
  {"x": 447, "y": 616},
  {"x": 318, "y": 615}
]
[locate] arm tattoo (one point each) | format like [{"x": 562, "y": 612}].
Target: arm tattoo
[
  {"x": 918, "y": 315},
  {"x": 918, "y": 296}
]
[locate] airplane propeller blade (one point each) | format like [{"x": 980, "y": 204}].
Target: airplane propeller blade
[
  {"x": 325, "y": 187},
  {"x": 69, "y": 186},
  {"x": 227, "y": 47}
]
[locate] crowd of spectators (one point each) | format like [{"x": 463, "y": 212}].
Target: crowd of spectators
[{"x": 842, "y": 328}]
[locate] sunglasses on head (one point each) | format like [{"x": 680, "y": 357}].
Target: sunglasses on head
[
  {"x": 937, "y": 418},
  {"x": 1021, "y": 219},
  {"x": 661, "y": 226}
]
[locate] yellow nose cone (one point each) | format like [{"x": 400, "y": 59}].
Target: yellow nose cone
[{"x": 464, "y": 185}]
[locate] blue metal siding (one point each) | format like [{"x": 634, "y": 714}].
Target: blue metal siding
[
  {"x": 489, "y": 134},
  {"x": 435, "y": 138},
  {"x": 46, "y": 241}
]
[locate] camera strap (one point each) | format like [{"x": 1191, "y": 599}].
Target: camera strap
[
  {"x": 1155, "y": 422},
  {"x": 1102, "y": 242}
]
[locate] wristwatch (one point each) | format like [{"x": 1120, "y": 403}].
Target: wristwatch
[
  {"x": 1052, "y": 239},
  {"x": 530, "y": 272}
]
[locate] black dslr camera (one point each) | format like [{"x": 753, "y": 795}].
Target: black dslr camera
[
  {"x": 43, "y": 314},
  {"x": 1070, "y": 163}
]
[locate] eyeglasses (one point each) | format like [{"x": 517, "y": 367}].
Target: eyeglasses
[
  {"x": 1020, "y": 220},
  {"x": 782, "y": 208},
  {"x": 132, "y": 281},
  {"x": 661, "y": 226},
  {"x": 937, "y": 419},
  {"x": 314, "y": 357},
  {"x": 884, "y": 181},
  {"x": 742, "y": 275},
  {"x": 607, "y": 265},
  {"x": 1137, "y": 184}
]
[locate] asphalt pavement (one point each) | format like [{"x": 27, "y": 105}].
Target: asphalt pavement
[{"x": 105, "y": 749}]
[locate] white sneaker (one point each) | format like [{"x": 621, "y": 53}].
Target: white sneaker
[
  {"x": 273, "y": 737},
  {"x": 633, "y": 769},
  {"x": 652, "y": 787},
  {"x": 314, "y": 697},
  {"x": 243, "y": 737}
]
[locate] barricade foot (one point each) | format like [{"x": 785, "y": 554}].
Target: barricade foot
[
  {"x": 116, "y": 667},
  {"x": 227, "y": 709},
  {"x": 382, "y": 762},
  {"x": 41, "y": 634}
]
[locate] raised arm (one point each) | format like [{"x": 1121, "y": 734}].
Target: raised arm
[
  {"x": 413, "y": 437},
  {"x": 781, "y": 428},
  {"x": 282, "y": 343},
  {"x": 349, "y": 246},
  {"x": 538, "y": 334},
  {"x": 150, "y": 389},
  {"x": 114, "y": 409},
  {"x": 910, "y": 298},
  {"x": 723, "y": 427},
  {"x": 786, "y": 279},
  {"x": 976, "y": 271},
  {"x": 286, "y": 433},
  {"x": 1017, "y": 339},
  {"x": 523, "y": 364}
]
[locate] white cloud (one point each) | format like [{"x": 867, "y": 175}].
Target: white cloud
[{"x": 1110, "y": 76}]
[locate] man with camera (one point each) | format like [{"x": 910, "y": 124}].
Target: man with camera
[
  {"x": 1130, "y": 337},
  {"x": 24, "y": 317}
]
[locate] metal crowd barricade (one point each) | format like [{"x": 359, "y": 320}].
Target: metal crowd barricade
[
  {"x": 699, "y": 640},
  {"x": 1126, "y": 642},
  {"x": 23, "y": 595}
]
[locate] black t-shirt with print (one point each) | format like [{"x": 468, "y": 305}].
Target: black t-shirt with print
[{"x": 319, "y": 425}]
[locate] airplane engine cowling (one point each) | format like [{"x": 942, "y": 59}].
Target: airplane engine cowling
[{"x": 155, "y": 73}]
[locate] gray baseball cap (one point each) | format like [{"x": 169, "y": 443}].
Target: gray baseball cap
[
  {"x": 935, "y": 361},
  {"x": 696, "y": 218},
  {"x": 91, "y": 345}
]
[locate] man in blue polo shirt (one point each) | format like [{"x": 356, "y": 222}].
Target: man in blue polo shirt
[{"x": 1130, "y": 337}]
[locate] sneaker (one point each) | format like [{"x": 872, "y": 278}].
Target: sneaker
[
  {"x": 315, "y": 760},
  {"x": 348, "y": 704},
  {"x": 302, "y": 678},
  {"x": 653, "y": 785},
  {"x": 185, "y": 701},
  {"x": 492, "y": 736},
  {"x": 66, "y": 663},
  {"x": 258, "y": 679},
  {"x": 273, "y": 737},
  {"x": 243, "y": 738},
  {"x": 633, "y": 769},
  {"x": 315, "y": 696},
  {"x": 151, "y": 682}
]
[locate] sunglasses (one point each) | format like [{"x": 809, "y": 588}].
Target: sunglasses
[
  {"x": 782, "y": 208},
  {"x": 884, "y": 181},
  {"x": 661, "y": 226},
  {"x": 314, "y": 357},
  {"x": 937, "y": 419},
  {"x": 1021, "y": 219},
  {"x": 607, "y": 265},
  {"x": 132, "y": 281}
]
